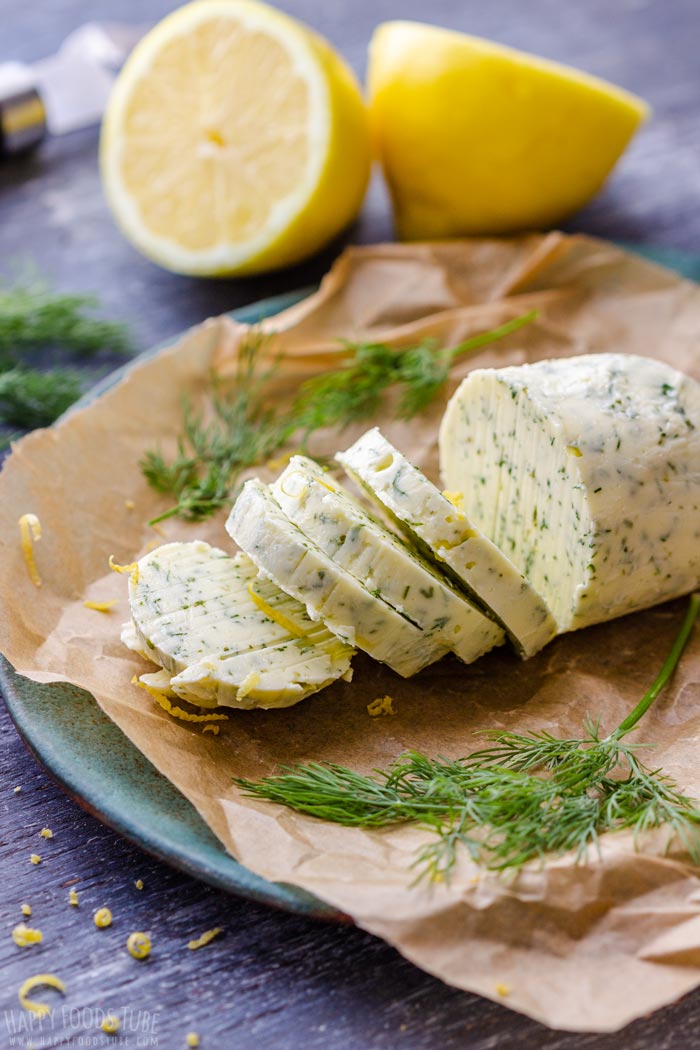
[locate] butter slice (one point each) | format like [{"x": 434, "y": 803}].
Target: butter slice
[
  {"x": 298, "y": 566},
  {"x": 224, "y": 636},
  {"x": 384, "y": 564},
  {"x": 444, "y": 532}
]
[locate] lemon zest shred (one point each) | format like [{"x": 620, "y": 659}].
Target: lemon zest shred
[
  {"x": 110, "y": 1025},
  {"x": 160, "y": 530},
  {"x": 278, "y": 617},
  {"x": 455, "y": 498},
  {"x": 102, "y": 918},
  {"x": 30, "y": 533},
  {"x": 73, "y": 898},
  {"x": 102, "y": 607},
  {"x": 129, "y": 504},
  {"x": 24, "y": 936},
  {"x": 502, "y": 989},
  {"x": 26, "y": 909},
  {"x": 177, "y": 712},
  {"x": 48, "y": 979},
  {"x": 382, "y": 705},
  {"x": 211, "y": 729},
  {"x": 139, "y": 884},
  {"x": 34, "y": 858},
  {"x": 132, "y": 568},
  {"x": 138, "y": 945},
  {"x": 192, "y": 1040},
  {"x": 205, "y": 938},
  {"x": 17, "y": 789},
  {"x": 46, "y": 833}
]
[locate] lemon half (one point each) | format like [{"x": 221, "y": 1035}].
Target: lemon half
[
  {"x": 235, "y": 141},
  {"x": 476, "y": 138}
]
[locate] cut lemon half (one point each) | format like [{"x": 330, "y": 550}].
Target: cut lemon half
[
  {"x": 235, "y": 141},
  {"x": 476, "y": 138}
]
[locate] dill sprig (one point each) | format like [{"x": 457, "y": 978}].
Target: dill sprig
[
  {"x": 241, "y": 429},
  {"x": 526, "y": 795},
  {"x": 212, "y": 454},
  {"x": 29, "y": 398},
  {"x": 33, "y": 317},
  {"x": 355, "y": 390}
]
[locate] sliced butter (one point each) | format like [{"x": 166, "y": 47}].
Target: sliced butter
[{"x": 443, "y": 532}]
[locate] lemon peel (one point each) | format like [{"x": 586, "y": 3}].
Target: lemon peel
[
  {"x": 102, "y": 607},
  {"x": 25, "y": 936},
  {"x": 205, "y": 938},
  {"x": 41, "y": 979},
  {"x": 102, "y": 918},
  {"x": 382, "y": 705},
  {"x": 110, "y": 1025},
  {"x": 30, "y": 533},
  {"x": 273, "y": 614},
  {"x": 138, "y": 945},
  {"x": 177, "y": 712}
]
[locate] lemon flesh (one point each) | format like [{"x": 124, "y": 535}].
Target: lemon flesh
[
  {"x": 476, "y": 138},
  {"x": 235, "y": 141}
]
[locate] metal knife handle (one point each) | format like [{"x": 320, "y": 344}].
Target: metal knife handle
[{"x": 22, "y": 121}]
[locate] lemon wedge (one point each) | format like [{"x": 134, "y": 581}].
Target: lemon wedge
[
  {"x": 235, "y": 141},
  {"x": 476, "y": 138}
]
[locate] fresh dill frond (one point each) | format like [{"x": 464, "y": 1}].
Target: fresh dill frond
[
  {"x": 239, "y": 429},
  {"x": 355, "y": 391},
  {"x": 33, "y": 315},
  {"x": 29, "y": 398},
  {"x": 525, "y": 796}
]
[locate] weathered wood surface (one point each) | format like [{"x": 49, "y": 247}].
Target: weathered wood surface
[{"x": 274, "y": 980}]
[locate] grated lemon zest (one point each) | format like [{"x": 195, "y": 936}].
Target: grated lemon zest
[
  {"x": 129, "y": 504},
  {"x": 383, "y": 705},
  {"x": 249, "y": 683},
  {"x": 138, "y": 945},
  {"x": 177, "y": 712},
  {"x": 34, "y": 858},
  {"x": 455, "y": 498},
  {"x": 132, "y": 568},
  {"x": 102, "y": 918},
  {"x": 48, "y": 979},
  {"x": 30, "y": 533},
  {"x": 24, "y": 936},
  {"x": 26, "y": 909},
  {"x": 17, "y": 789},
  {"x": 279, "y": 461},
  {"x": 206, "y": 937},
  {"x": 46, "y": 833},
  {"x": 101, "y": 606},
  {"x": 278, "y": 617},
  {"x": 139, "y": 884},
  {"x": 110, "y": 1025},
  {"x": 502, "y": 989},
  {"x": 211, "y": 729},
  {"x": 73, "y": 898},
  {"x": 160, "y": 530},
  {"x": 192, "y": 1040}
]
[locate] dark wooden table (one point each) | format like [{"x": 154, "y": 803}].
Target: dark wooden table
[{"x": 274, "y": 980}]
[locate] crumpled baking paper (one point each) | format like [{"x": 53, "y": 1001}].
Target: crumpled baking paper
[{"x": 580, "y": 947}]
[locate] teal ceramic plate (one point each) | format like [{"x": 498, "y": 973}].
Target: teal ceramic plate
[{"x": 107, "y": 775}]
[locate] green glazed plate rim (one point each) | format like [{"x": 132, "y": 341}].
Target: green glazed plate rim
[{"x": 110, "y": 778}]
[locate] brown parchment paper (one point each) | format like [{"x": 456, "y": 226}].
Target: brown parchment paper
[{"x": 577, "y": 947}]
